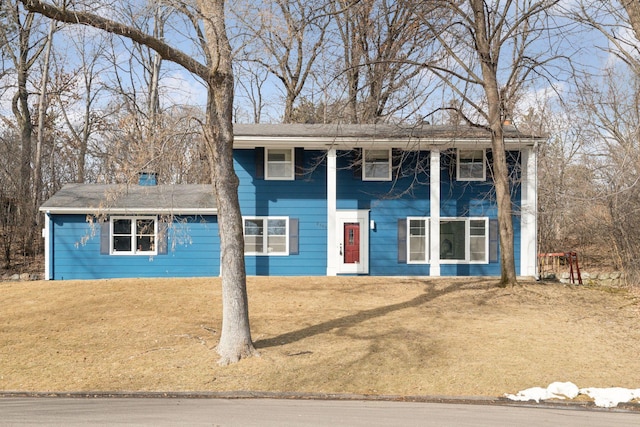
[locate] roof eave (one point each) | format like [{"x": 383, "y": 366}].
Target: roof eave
[{"x": 127, "y": 211}]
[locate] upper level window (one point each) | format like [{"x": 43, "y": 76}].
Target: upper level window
[
  {"x": 134, "y": 235},
  {"x": 376, "y": 165},
  {"x": 279, "y": 163},
  {"x": 266, "y": 236},
  {"x": 471, "y": 165}
]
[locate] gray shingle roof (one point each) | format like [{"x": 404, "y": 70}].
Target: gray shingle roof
[
  {"x": 129, "y": 199},
  {"x": 370, "y": 131}
]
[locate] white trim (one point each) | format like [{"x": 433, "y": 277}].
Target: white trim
[
  {"x": 364, "y": 165},
  {"x": 265, "y": 234},
  {"x": 484, "y": 165},
  {"x": 292, "y": 162},
  {"x": 434, "y": 200},
  {"x": 46, "y": 233},
  {"x": 332, "y": 245},
  {"x": 133, "y": 234},
  {"x": 361, "y": 216},
  {"x": 528, "y": 229}
]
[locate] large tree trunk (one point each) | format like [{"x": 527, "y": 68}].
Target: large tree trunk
[
  {"x": 235, "y": 339},
  {"x": 488, "y": 62}
]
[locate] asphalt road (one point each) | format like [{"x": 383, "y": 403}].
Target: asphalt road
[{"x": 19, "y": 411}]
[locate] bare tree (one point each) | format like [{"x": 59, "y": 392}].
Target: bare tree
[
  {"x": 382, "y": 43},
  {"x": 487, "y": 54},
  {"x": 286, "y": 37},
  {"x": 235, "y": 340}
]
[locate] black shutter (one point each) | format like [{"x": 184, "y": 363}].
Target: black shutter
[
  {"x": 493, "y": 240},
  {"x": 299, "y": 158},
  {"x": 259, "y": 162},
  {"x": 356, "y": 163},
  {"x": 396, "y": 160},
  {"x": 294, "y": 240},
  {"x": 402, "y": 241},
  {"x": 105, "y": 228},
  {"x": 163, "y": 238}
]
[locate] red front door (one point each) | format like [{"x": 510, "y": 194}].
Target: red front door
[{"x": 351, "y": 242}]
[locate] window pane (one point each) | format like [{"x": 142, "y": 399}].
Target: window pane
[
  {"x": 145, "y": 226},
  {"x": 253, "y": 227},
  {"x": 477, "y": 247},
  {"x": 144, "y": 243},
  {"x": 122, "y": 243},
  {"x": 279, "y": 170},
  {"x": 253, "y": 244},
  {"x": 277, "y": 227},
  {"x": 279, "y": 155},
  {"x": 452, "y": 240},
  {"x": 277, "y": 244},
  {"x": 417, "y": 249},
  {"x": 122, "y": 226}
]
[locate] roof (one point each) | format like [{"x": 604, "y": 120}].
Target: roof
[
  {"x": 322, "y": 136},
  {"x": 179, "y": 199}
]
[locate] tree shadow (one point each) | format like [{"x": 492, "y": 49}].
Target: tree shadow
[{"x": 430, "y": 294}]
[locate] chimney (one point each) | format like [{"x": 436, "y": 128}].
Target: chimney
[{"x": 147, "y": 178}]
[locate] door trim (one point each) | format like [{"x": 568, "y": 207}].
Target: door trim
[{"x": 361, "y": 216}]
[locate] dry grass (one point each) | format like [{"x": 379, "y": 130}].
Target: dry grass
[{"x": 399, "y": 336}]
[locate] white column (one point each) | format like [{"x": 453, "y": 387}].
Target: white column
[
  {"x": 47, "y": 250},
  {"x": 528, "y": 226},
  {"x": 434, "y": 201},
  {"x": 332, "y": 245}
]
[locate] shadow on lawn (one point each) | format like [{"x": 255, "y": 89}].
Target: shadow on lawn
[{"x": 430, "y": 294}]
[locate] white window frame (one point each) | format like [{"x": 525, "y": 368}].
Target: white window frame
[
  {"x": 427, "y": 239},
  {"x": 265, "y": 241},
  {"x": 459, "y": 176},
  {"x": 467, "y": 240},
  {"x": 365, "y": 163},
  {"x": 290, "y": 163},
  {"x": 133, "y": 234}
]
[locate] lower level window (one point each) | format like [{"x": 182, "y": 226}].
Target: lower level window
[
  {"x": 418, "y": 240},
  {"x": 134, "y": 235},
  {"x": 266, "y": 235},
  {"x": 464, "y": 239}
]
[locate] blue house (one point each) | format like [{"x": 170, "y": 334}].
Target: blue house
[{"x": 333, "y": 199}]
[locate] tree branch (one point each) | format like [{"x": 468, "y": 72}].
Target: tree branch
[{"x": 166, "y": 51}]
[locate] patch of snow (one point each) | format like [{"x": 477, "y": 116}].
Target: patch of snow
[
  {"x": 602, "y": 397},
  {"x": 610, "y": 397},
  {"x": 556, "y": 390}
]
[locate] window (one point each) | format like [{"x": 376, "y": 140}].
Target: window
[
  {"x": 418, "y": 240},
  {"x": 134, "y": 235},
  {"x": 471, "y": 165},
  {"x": 279, "y": 164},
  {"x": 266, "y": 236},
  {"x": 376, "y": 165},
  {"x": 464, "y": 239}
]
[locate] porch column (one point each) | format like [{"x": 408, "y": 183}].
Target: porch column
[
  {"x": 529, "y": 214},
  {"x": 332, "y": 256},
  {"x": 434, "y": 202}
]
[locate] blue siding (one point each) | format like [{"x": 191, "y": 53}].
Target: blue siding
[
  {"x": 304, "y": 198},
  {"x": 407, "y": 195},
  {"x": 194, "y": 250}
]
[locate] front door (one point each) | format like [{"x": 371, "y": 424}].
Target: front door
[{"x": 353, "y": 242}]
